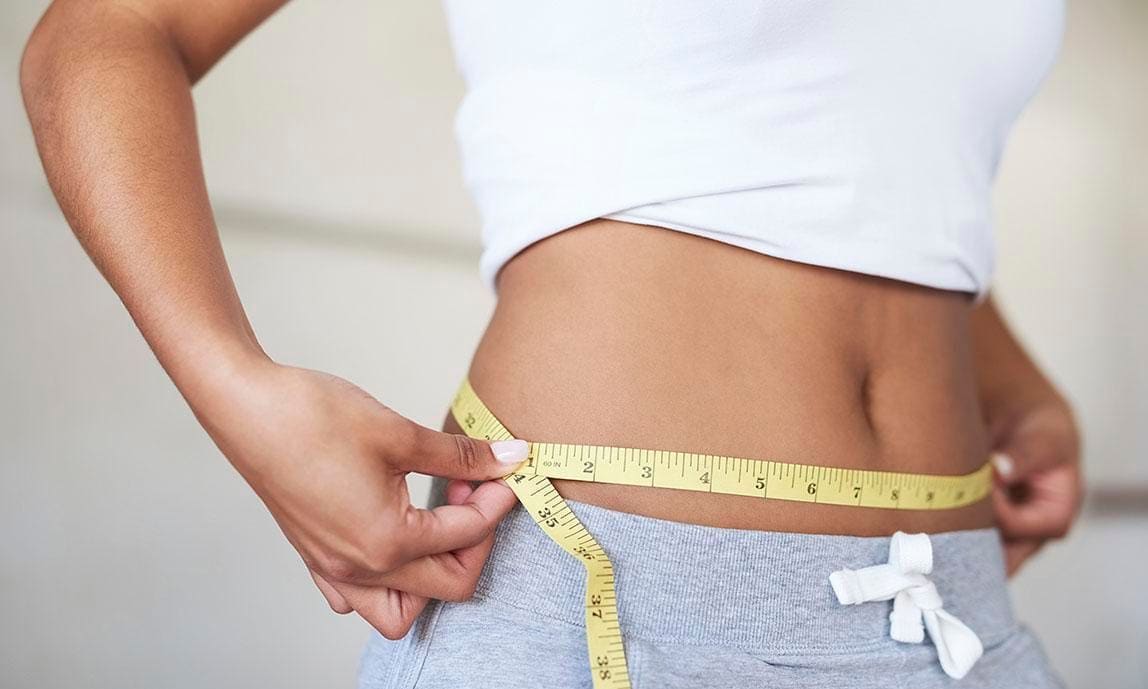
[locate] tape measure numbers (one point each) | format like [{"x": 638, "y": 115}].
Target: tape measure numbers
[
  {"x": 684, "y": 471},
  {"x": 541, "y": 499}
]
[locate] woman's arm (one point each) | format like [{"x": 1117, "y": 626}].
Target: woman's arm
[
  {"x": 107, "y": 87},
  {"x": 1034, "y": 434}
]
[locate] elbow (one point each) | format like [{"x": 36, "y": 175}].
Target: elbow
[
  {"x": 48, "y": 50},
  {"x": 80, "y": 40},
  {"x": 35, "y": 62}
]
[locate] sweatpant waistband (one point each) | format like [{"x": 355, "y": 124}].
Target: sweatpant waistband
[{"x": 758, "y": 590}]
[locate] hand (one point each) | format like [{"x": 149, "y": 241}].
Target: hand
[
  {"x": 1039, "y": 487},
  {"x": 330, "y": 463}
]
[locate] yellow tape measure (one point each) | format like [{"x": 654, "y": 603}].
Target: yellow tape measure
[{"x": 684, "y": 471}]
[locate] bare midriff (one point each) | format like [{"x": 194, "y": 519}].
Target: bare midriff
[{"x": 628, "y": 335}]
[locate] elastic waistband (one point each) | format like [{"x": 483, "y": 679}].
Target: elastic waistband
[{"x": 762, "y": 590}]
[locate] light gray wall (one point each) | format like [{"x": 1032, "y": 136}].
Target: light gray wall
[{"x": 134, "y": 556}]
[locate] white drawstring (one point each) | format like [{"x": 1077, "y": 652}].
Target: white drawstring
[{"x": 915, "y": 598}]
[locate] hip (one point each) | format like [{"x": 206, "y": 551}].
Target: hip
[{"x": 706, "y": 607}]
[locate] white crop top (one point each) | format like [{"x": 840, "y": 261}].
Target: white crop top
[{"x": 856, "y": 134}]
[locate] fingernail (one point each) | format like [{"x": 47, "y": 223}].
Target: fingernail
[
  {"x": 1003, "y": 464},
  {"x": 510, "y": 451}
]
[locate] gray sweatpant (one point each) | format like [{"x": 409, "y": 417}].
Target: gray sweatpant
[{"x": 703, "y": 608}]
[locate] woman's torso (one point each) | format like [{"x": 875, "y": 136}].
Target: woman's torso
[
  {"x": 799, "y": 150},
  {"x": 629, "y": 335}
]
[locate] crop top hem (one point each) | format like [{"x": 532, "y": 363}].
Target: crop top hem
[{"x": 858, "y": 257}]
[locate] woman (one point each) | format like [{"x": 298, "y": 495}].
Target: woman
[{"x": 757, "y": 230}]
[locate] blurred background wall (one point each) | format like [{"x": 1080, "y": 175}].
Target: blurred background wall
[{"x": 131, "y": 555}]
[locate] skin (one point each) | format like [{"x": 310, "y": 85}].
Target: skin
[
  {"x": 766, "y": 357},
  {"x": 636, "y": 329},
  {"x": 1032, "y": 429}
]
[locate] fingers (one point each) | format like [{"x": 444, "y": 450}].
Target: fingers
[
  {"x": 1017, "y": 552},
  {"x": 457, "y": 492},
  {"x": 457, "y": 456},
  {"x": 442, "y": 551},
  {"x": 1043, "y": 506},
  {"x": 446, "y": 576},
  {"x": 1038, "y": 488},
  {"x": 334, "y": 598},
  {"x": 453, "y": 527},
  {"x": 1013, "y": 465},
  {"x": 1041, "y": 441},
  {"x": 1021, "y": 520},
  {"x": 417, "y": 534},
  {"x": 393, "y": 608},
  {"x": 390, "y": 611}
]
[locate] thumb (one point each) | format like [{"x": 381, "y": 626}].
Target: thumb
[
  {"x": 1035, "y": 443},
  {"x": 450, "y": 455},
  {"x": 1024, "y": 455},
  {"x": 1013, "y": 465},
  {"x": 1004, "y": 468}
]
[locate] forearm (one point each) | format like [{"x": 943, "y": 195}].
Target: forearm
[
  {"x": 107, "y": 88},
  {"x": 108, "y": 96},
  {"x": 1008, "y": 381}
]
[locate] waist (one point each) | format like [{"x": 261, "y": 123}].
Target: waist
[
  {"x": 766, "y": 592},
  {"x": 636, "y": 336}
]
